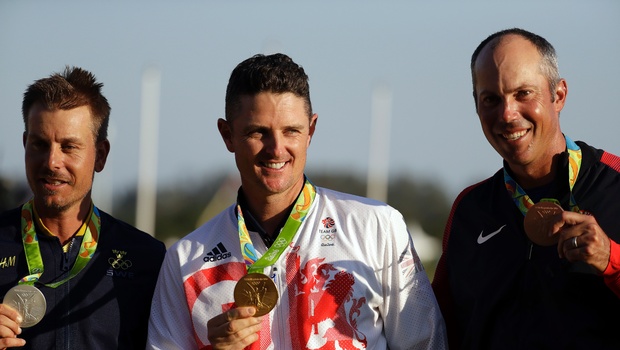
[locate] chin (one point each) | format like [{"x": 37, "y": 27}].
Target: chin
[
  {"x": 54, "y": 205},
  {"x": 276, "y": 186}
]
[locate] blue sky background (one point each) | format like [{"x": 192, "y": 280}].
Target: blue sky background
[{"x": 419, "y": 49}]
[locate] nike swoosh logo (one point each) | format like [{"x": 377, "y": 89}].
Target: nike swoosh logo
[{"x": 482, "y": 239}]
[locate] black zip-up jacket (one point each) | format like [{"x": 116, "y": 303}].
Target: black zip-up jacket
[
  {"x": 497, "y": 290},
  {"x": 107, "y": 305}
]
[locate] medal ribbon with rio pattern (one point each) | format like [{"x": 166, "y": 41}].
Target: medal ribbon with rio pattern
[
  {"x": 33, "y": 252},
  {"x": 524, "y": 202},
  {"x": 297, "y": 216}
]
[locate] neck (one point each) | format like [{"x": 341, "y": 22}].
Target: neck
[
  {"x": 271, "y": 210},
  {"x": 543, "y": 171},
  {"x": 532, "y": 179},
  {"x": 66, "y": 223}
]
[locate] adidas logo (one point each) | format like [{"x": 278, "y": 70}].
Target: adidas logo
[{"x": 217, "y": 253}]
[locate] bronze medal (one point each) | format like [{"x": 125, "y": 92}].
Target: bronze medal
[
  {"x": 258, "y": 290},
  {"x": 28, "y": 301},
  {"x": 537, "y": 225}
]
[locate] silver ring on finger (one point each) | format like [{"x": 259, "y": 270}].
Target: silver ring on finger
[{"x": 574, "y": 242}]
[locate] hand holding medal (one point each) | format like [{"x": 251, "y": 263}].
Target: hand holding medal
[
  {"x": 537, "y": 223},
  {"x": 28, "y": 301},
  {"x": 258, "y": 290}
]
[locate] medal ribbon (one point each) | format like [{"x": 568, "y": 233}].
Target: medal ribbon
[
  {"x": 33, "y": 252},
  {"x": 524, "y": 202},
  {"x": 297, "y": 216}
]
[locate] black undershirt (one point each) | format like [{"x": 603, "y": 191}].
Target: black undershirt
[{"x": 253, "y": 225}]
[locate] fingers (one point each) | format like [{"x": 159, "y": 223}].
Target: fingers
[
  {"x": 234, "y": 329},
  {"x": 582, "y": 239},
  {"x": 567, "y": 225},
  {"x": 566, "y": 219},
  {"x": 232, "y": 314},
  {"x": 10, "y": 319},
  {"x": 11, "y": 343},
  {"x": 570, "y": 247},
  {"x": 9, "y": 327}
]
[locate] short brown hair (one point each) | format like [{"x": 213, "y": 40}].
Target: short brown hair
[{"x": 75, "y": 87}]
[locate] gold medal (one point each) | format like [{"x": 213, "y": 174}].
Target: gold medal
[
  {"x": 28, "y": 301},
  {"x": 537, "y": 223},
  {"x": 258, "y": 290}
]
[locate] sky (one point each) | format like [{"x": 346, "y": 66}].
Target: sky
[{"x": 418, "y": 51}]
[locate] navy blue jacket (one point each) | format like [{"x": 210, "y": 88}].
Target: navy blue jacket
[{"x": 107, "y": 305}]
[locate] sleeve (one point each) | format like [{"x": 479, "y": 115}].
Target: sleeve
[
  {"x": 412, "y": 319},
  {"x": 611, "y": 275},
  {"x": 170, "y": 324}
]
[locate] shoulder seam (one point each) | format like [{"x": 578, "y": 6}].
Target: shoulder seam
[{"x": 456, "y": 203}]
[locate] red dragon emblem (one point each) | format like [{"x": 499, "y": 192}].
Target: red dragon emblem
[{"x": 320, "y": 295}]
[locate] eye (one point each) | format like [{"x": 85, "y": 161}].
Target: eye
[
  {"x": 255, "y": 134},
  {"x": 523, "y": 93},
  {"x": 292, "y": 132},
  {"x": 38, "y": 145},
  {"x": 69, "y": 147},
  {"x": 490, "y": 100}
]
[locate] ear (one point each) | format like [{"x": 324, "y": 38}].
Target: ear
[
  {"x": 561, "y": 90},
  {"x": 24, "y": 138},
  {"x": 103, "y": 149},
  {"x": 313, "y": 120},
  {"x": 226, "y": 132}
]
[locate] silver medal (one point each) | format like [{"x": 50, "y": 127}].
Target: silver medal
[{"x": 29, "y": 301}]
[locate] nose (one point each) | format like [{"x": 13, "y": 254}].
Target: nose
[
  {"x": 275, "y": 145},
  {"x": 54, "y": 157},
  {"x": 510, "y": 111}
]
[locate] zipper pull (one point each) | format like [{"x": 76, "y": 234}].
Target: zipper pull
[
  {"x": 274, "y": 273},
  {"x": 66, "y": 255},
  {"x": 65, "y": 261}
]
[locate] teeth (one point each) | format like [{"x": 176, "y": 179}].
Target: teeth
[
  {"x": 275, "y": 165},
  {"x": 54, "y": 182},
  {"x": 515, "y": 135}
]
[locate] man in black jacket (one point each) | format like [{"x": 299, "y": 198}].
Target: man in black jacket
[
  {"x": 531, "y": 257},
  {"x": 71, "y": 276}
]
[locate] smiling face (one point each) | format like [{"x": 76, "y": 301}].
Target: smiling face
[
  {"x": 518, "y": 112},
  {"x": 269, "y": 134},
  {"x": 61, "y": 158}
]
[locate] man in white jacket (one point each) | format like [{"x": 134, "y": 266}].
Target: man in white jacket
[{"x": 290, "y": 265}]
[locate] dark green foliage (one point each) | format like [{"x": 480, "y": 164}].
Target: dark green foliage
[{"x": 184, "y": 206}]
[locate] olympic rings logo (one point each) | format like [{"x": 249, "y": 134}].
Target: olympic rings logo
[
  {"x": 120, "y": 264},
  {"x": 328, "y": 237},
  {"x": 279, "y": 243}
]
